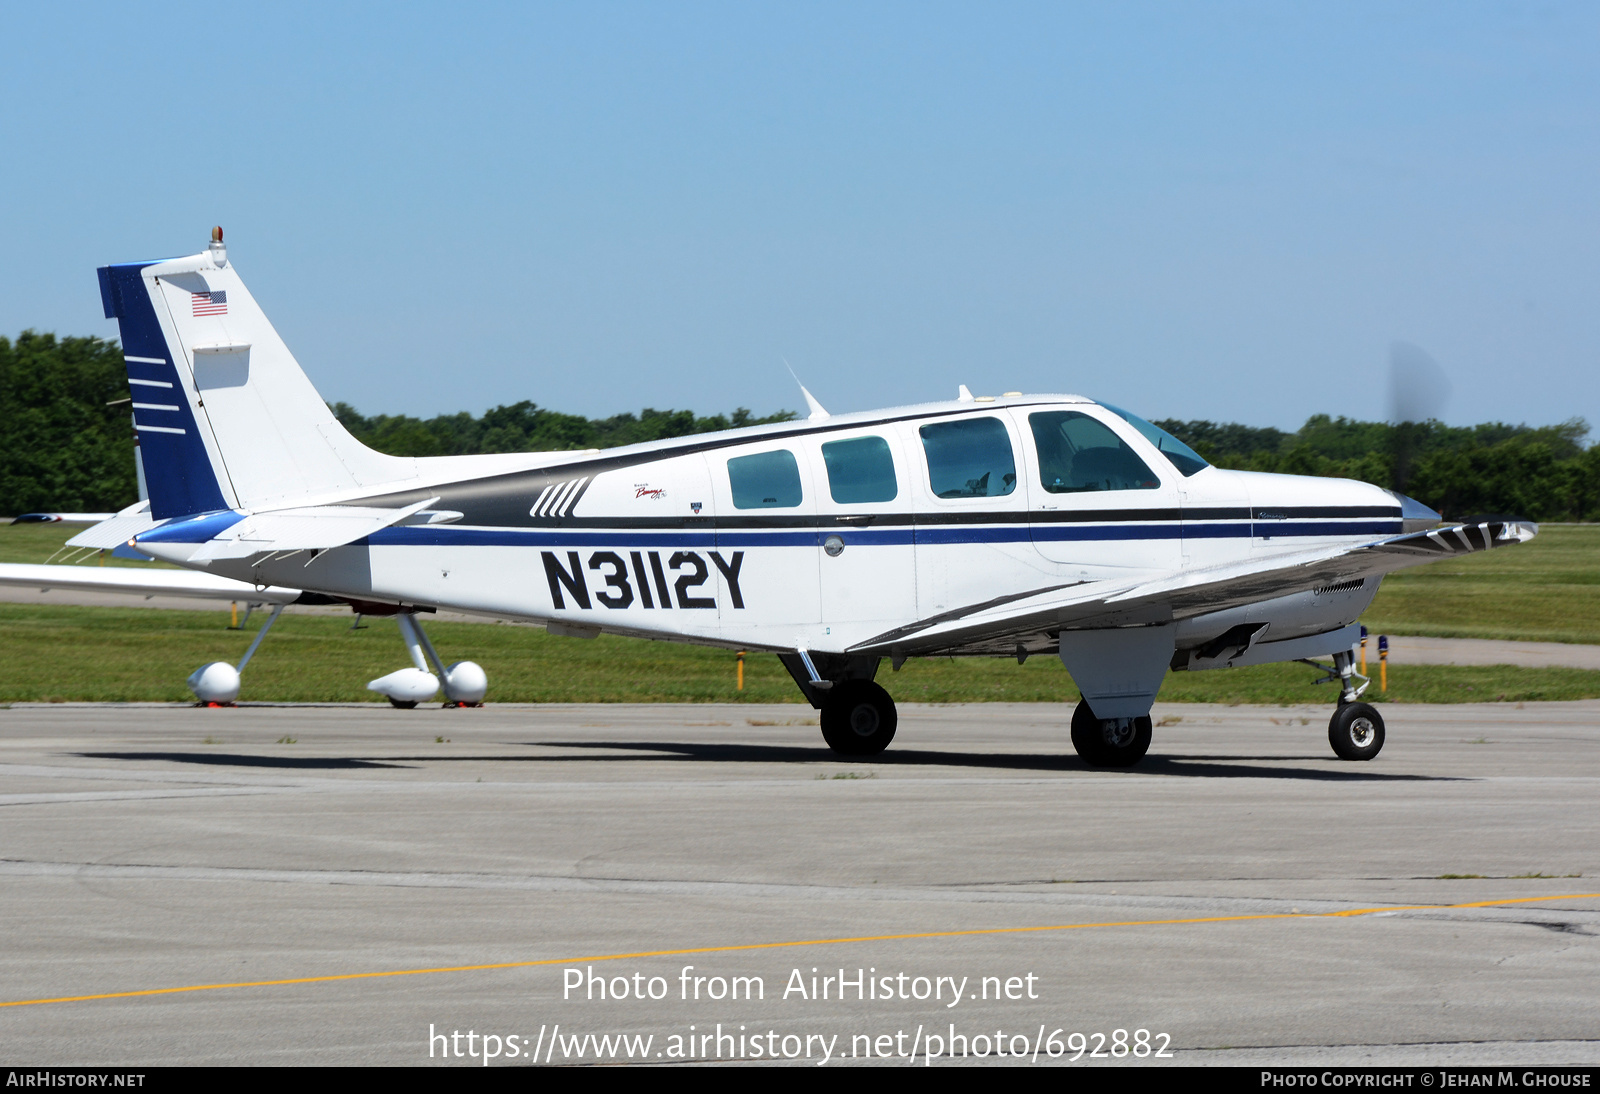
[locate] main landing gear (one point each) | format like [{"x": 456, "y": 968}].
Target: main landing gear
[
  {"x": 1356, "y": 729},
  {"x": 1109, "y": 742},
  {"x": 858, "y": 716}
]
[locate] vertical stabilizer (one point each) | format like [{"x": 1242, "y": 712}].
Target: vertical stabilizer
[{"x": 225, "y": 416}]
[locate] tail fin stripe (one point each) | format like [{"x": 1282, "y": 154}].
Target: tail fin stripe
[
  {"x": 145, "y": 360},
  {"x": 159, "y": 429}
]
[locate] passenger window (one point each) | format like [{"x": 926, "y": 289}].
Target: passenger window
[
  {"x": 767, "y": 480},
  {"x": 1077, "y": 453},
  {"x": 860, "y": 470},
  {"x": 971, "y": 458}
]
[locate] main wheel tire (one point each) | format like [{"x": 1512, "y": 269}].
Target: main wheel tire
[
  {"x": 1356, "y": 731},
  {"x": 1109, "y": 742},
  {"x": 858, "y": 718},
  {"x": 403, "y": 704}
]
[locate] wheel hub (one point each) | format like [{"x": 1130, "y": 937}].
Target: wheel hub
[
  {"x": 864, "y": 719},
  {"x": 1118, "y": 732},
  {"x": 1362, "y": 732}
]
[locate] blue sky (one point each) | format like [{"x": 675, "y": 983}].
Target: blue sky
[{"x": 1225, "y": 211}]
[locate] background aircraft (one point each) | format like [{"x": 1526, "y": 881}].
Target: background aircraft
[
  {"x": 987, "y": 526},
  {"x": 62, "y": 518}
]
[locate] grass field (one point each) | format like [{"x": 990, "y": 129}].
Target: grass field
[
  {"x": 128, "y": 654},
  {"x": 1548, "y": 589},
  {"x": 37, "y": 542},
  {"x": 1544, "y": 591}
]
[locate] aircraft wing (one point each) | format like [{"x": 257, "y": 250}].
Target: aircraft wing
[
  {"x": 141, "y": 582},
  {"x": 997, "y": 626},
  {"x": 62, "y": 518}
]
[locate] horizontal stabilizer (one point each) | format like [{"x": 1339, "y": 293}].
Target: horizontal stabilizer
[
  {"x": 141, "y": 581},
  {"x": 308, "y": 528},
  {"x": 117, "y": 530}
]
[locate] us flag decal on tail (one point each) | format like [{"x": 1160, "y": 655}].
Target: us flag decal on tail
[{"x": 211, "y": 303}]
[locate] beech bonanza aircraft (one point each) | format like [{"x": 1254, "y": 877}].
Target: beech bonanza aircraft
[{"x": 1002, "y": 526}]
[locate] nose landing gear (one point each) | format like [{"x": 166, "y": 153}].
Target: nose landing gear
[{"x": 1356, "y": 729}]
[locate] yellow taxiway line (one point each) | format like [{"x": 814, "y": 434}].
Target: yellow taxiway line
[{"x": 787, "y": 945}]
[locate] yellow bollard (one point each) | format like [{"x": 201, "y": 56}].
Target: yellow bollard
[
  {"x": 741, "y": 670},
  {"x": 235, "y": 615},
  {"x": 1383, "y": 662}
]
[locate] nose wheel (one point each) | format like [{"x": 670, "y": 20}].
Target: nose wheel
[
  {"x": 1109, "y": 742},
  {"x": 1356, "y": 731}
]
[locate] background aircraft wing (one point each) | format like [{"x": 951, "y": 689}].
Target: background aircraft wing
[
  {"x": 999, "y": 626},
  {"x": 62, "y": 518},
  {"x": 142, "y": 582}
]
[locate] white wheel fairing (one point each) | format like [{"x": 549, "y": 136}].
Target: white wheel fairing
[
  {"x": 217, "y": 682},
  {"x": 406, "y": 685}
]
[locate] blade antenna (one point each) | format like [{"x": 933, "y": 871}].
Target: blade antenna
[{"x": 818, "y": 411}]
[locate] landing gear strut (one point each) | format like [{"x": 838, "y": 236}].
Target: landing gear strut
[{"x": 1109, "y": 742}]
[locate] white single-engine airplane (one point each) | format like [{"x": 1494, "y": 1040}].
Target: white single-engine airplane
[{"x": 987, "y": 526}]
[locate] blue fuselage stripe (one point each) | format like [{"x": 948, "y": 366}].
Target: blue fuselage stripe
[{"x": 446, "y": 536}]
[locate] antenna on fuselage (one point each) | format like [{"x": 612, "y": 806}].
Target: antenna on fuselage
[{"x": 818, "y": 411}]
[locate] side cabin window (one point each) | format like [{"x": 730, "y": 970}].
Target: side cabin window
[
  {"x": 767, "y": 480},
  {"x": 860, "y": 470},
  {"x": 1077, "y": 454},
  {"x": 970, "y": 458}
]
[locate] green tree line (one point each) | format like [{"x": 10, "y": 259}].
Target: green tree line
[
  {"x": 527, "y": 427},
  {"x": 66, "y": 430},
  {"x": 67, "y": 442}
]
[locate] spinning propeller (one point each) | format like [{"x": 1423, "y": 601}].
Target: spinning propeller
[{"x": 1418, "y": 391}]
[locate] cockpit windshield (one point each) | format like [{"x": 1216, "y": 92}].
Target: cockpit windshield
[{"x": 1180, "y": 455}]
